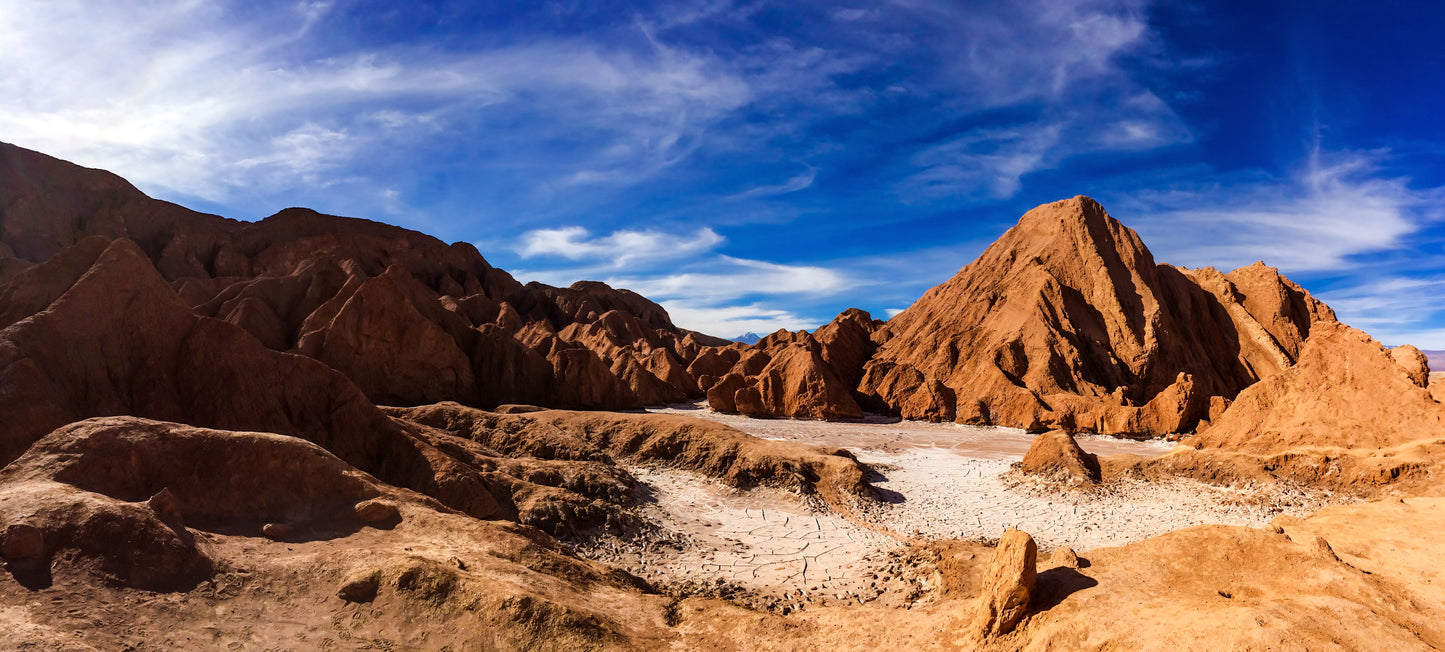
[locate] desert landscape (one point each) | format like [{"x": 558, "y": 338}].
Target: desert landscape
[
  {"x": 320, "y": 432},
  {"x": 722, "y": 325}
]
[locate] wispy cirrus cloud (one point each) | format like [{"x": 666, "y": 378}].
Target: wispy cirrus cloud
[
  {"x": 799, "y": 182},
  {"x": 732, "y": 321},
  {"x": 1336, "y": 208},
  {"x": 1364, "y": 240},
  {"x": 1051, "y": 74},
  {"x": 618, "y": 249},
  {"x": 198, "y": 99},
  {"x": 234, "y": 102},
  {"x": 1395, "y": 309}
]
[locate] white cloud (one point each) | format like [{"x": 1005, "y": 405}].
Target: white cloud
[
  {"x": 732, "y": 321},
  {"x": 1333, "y": 210},
  {"x": 799, "y": 182},
  {"x": 209, "y": 100},
  {"x": 702, "y": 290},
  {"x": 1058, "y": 64},
  {"x": 730, "y": 279},
  {"x": 986, "y": 162},
  {"x": 1394, "y": 309},
  {"x": 187, "y": 97},
  {"x": 619, "y": 248},
  {"x": 847, "y": 14},
  {"x": 304, "y": 152}
]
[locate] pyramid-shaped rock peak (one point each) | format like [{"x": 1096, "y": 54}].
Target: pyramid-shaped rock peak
[{"x": 1067, "y": 321}]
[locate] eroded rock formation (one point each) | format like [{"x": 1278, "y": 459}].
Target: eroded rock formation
[
  {"x": 1067, "y": 321},
  {"x": 1346, "y": 391},
  {"x": 408, "y": 318},
  {"x": 786, "y": 374}
]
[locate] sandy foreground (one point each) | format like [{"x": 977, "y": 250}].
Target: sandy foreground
[{"x": 940, "y": 481}]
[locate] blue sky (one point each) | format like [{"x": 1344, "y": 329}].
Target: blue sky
[{"x": 756, "y": 165}]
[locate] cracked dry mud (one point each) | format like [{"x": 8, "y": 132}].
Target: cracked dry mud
[{"x": 776, "y": 549}]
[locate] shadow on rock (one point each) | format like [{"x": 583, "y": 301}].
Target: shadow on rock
[{"x": 33, "y": 574}]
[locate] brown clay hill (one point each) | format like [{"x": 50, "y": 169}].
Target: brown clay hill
[
  {"x": 1349, "y": 415},
  {"x": 1346, "y": 391},
  {"x": 408, "y": 318},
  {"x": 1067, "y": 321},
  {"x": 118, "y": 341}
]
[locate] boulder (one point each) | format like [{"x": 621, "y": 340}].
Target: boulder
[
  {"x": 360, "y": 586},
  {"x": 377, "y": 512},
  {"x": 1415, "y": 364},
  {"x": 1063, "y": 557},
  {"x": 1008, "y": 585}
]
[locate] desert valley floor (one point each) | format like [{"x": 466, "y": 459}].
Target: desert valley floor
[{"x": 939, "y": 482}]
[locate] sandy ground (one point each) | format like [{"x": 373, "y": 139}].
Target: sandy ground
[{"x": 941, "y": 481}]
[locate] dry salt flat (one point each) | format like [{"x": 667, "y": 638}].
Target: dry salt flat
[{"x": 941, "y": 481}]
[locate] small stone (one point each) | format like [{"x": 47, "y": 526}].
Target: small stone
[
  {"x": 359, "y": 587},
  {"x": 375, "y": 511},
  {"x": 1064, "y": 557},
  {"x": 22, "y": 541},
  {"x": 276, "y": 531}
]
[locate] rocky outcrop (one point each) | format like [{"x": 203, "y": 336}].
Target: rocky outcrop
[
  {"x": 1346, "y": 391},
  {"x": 1055, "y": 454},
  {"x": 403, "y": 315},
  {"x": 800, "y": 375},
  {"x": 173, "y": 469},
  {"x": 1349, "y": 416},
  {"x": 119, "y": 342},
  {"x": 1008, "y": 585},
  {"x": 382, "y": 338},
  {"x": 1067, "y": 321},
  {"x": 710, "y": 448}
]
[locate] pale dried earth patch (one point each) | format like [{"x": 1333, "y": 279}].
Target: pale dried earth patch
[{"x": 783, "y": 551}]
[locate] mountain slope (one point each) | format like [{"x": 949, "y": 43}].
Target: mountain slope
[
  {"x": 1068, "y": 321},
  {"x": 408, "y": 318}
]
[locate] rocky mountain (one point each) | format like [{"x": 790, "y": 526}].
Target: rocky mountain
[
  {"x": 748, "y": 338},
  {"x": 1066, "y": 321},
  {"x": 407, "y": 318}
]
